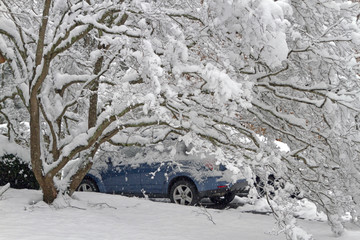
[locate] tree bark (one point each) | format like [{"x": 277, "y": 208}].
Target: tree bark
[
  {"x": 78, "y": 177},
  {"x": 49, "y": 190},
  {"x": 93, "y": 102},
  {"x": 46, "y": 183},
  {"x": 92, "y": 118},
  {"x": 2, "y": 58}
]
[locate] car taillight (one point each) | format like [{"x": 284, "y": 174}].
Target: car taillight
[
  {"x": 222, "y": 186},
  {"x": 209, "y": 166},
  {"x": 214, "y": 166}
]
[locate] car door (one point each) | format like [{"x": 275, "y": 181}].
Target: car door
[
  {"x": 154, "y": 177},
  {"x": 132, "y": 183},
  {"x": 121, "y": 177}
]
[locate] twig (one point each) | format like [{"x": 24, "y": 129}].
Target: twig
[
  {"x": 80, "y": 208},
  {"x": 206, "y": 213},
  {"x": 101, "y": 205},
  {"x": 4, "y": 189}
]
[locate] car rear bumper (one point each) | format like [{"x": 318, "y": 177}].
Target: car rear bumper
[
  {"x": 236, "y": 188},
  {"x": 239, "y": 186}
]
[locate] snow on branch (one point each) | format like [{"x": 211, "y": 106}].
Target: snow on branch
[
  {"x": 295, "y": 121},
  {"x": 113, "y": 30},
  {"x": 10, "y": 29},
  {"x": 317, "y": 103},
  {"x": 3, "y": 189},
  {"x": 76, "y": 144}
]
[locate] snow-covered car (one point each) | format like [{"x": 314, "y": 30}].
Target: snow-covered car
[{"x": 150, "y": 171}]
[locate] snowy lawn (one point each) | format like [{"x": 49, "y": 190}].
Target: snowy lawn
[{"x": 101, "y": 216}]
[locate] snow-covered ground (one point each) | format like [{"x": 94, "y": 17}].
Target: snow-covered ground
[{"x": 100, "y": 216}]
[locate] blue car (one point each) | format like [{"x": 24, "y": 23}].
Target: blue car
[{"x": 162, "y": 172}]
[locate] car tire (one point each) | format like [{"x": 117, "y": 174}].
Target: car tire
[
  {"x": 224, "y": 200},
  {"x": 87, "y": 185},
  {"x": 184, "y": 192}
]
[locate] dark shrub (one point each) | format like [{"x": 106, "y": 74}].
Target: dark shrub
[{"x": 16, "y": 172}]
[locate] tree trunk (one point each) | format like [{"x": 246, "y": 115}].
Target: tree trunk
[
  {"x": 92, "y": 118},
  {"x": 46, "y": 182},
  {"x": 49, "y": 190},
  {"x": 35, "y": 139},
  {"x": 78, "y": 177}
]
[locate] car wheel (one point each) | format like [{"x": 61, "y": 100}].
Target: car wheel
[
  {"x": 184, "y": 193},
  {"x": 224, "y": 200},
  {"x": 87, "y": 185}
]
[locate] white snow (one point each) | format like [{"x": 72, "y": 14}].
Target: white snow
[
  {"x": 101, "y": 216},
  {"x": 7, "y": 147}
]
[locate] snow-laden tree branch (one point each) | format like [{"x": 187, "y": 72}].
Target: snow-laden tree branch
[
  {"x": 231, "y": 77},
  {"x": 3, "y": 189}
]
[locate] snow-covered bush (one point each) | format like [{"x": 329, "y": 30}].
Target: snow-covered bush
[{"x": 17, "y": 172}]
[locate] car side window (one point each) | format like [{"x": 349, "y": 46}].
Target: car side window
[{"x": 130, "y": 152}]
